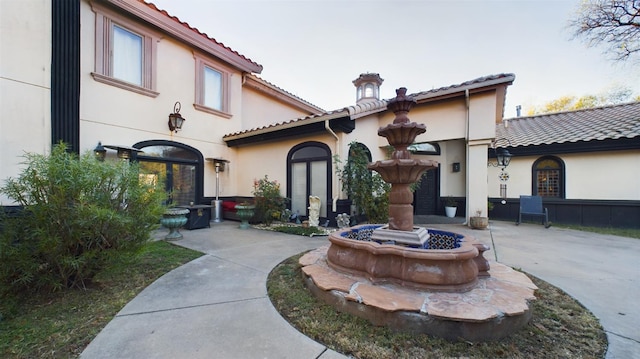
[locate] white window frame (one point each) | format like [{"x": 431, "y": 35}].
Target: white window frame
[
  {"x": 106, "y": 19},
  {"x": 201, "y": 64}
]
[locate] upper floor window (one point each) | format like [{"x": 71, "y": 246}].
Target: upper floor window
[
  {"x": 125, "y": 53},
  {"x": 548, "y": 177},
  {"x": 212, "y": 88}
]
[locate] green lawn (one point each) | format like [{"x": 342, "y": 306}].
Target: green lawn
[{"x": 62, "y": 324}]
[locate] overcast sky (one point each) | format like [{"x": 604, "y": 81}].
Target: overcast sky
[{"x": 315, "y": 49}]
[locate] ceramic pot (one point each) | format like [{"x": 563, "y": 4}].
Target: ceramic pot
[
  {"x": 450, "y": 211},
  {"x": 174, "y": 218},
  {"x": 245, "y": 212}
]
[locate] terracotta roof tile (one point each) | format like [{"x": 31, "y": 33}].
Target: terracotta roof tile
[
  {"x": 467, "y": 84},
  {"x": 194, "y": 29},
  {"x": 600, "y": 123},
  {"x": 366, "y": 108}
]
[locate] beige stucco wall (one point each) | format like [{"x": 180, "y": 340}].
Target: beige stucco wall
[
  {"x": 600, "y": 176},
  {"x": 259, "y": 110},
  {"x": 270, "y": 159},
  {"x": 120, "y": 117},
  {"x": 25, "y": 86}
]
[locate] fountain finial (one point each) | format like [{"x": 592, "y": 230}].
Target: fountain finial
[{"x": 401, "y": 105}]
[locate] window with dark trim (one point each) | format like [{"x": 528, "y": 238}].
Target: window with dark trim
[
  {"x": 548, "y": 177},
  {"x": 309, "y": 173}
]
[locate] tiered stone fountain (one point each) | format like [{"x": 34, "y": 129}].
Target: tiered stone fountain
[{"x": 413, "y": 278}]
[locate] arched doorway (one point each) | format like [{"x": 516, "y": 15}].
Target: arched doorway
[
  {"x": 180, "y": 166},
  {"x": 425, "y": 197},
  {"x": 309, "y": 173}
]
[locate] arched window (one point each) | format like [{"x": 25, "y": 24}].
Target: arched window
[
  {"x": 369, "y": 90},
  {"x": 548, "y": 177},
  {"x": 180, "y": 166},
  {"x": 309, "y": 174},
  {"x": 424, "y": 148}
]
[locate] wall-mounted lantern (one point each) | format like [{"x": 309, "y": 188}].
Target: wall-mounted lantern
[
  {"x": 100, "y": 152},
  {"x": 503, "y": 158},
  {"x": 175, "y": 119}
]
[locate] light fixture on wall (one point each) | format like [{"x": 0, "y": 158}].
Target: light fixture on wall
[
  {"x": 100, "y": 152},
  {"x": 175, "y": 119},
  {"x": 503, "y": 158}
]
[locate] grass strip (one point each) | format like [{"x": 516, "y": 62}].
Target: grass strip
[{"x": 62, "y": 324}]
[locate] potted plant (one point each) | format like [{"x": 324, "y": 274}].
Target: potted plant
[
  {"x": 450, "y": 207},
  {"x": 478, "y": 221}
]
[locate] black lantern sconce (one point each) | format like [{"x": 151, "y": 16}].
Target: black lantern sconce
[
  {"x": 100, "y": 152},
  {"x": 175, "y": 119},
  {"x": 503, "y": 156}
]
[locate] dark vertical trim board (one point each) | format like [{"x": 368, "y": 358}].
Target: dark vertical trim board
[{"x": 65, "y": 73}]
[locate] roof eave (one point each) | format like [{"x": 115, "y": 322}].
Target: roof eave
[
  {"x": 460, "y": 90},
  {"x": 284, "y": 126}
]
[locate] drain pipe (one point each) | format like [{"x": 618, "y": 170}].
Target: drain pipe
[
  {"x": 334, "y": 200},
  {"x": 467, "y": 119}
]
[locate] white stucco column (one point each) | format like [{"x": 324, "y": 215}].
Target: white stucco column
[{"x": 477, "y": 189}]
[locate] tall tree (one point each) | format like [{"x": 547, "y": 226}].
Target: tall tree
[{"x": 614, "y": 23}]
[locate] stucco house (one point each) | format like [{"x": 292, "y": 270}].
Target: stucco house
[
  {"x": 112, "y": 71},
  {"x": 585, "y": 165}
]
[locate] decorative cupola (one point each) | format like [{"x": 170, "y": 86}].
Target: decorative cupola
[{"x": 368, "y": 87}]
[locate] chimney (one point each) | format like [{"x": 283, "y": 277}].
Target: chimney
[
  {"x": 518, "y": 109},
  {"x": 367, "y": 87}
]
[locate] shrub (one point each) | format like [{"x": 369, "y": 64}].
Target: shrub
[
  {"x": 367, "y": 190},
  {"x": 269, "y": 203},
  {"x": 76, "y": 212}
]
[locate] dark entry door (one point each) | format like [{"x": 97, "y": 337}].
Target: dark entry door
[{"x": 425, "y": 196}]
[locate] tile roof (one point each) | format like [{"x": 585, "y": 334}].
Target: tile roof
[
  {"x": 366, "y": 108},
  {"x": 256, "y": 67},
  {"x": 472, "y": 84},
  {"x": 600, "y": 123}
]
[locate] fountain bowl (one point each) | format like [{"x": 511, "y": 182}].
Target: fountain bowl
[{"x": 447, "y": 261}]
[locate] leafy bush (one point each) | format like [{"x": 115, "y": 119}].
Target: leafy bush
[
  {"x": 367, "y": 190},
  {"x": 269, "y": 203},
  {"x": 76, "y": 212}
]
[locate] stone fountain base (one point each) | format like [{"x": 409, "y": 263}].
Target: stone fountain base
[{"x": 496, "y": 306}]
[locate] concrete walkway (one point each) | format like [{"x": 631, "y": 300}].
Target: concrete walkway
[{"x": 217, "y": 305}]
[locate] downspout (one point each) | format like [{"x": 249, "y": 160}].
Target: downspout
[
  {"x": 334, "y": 183},
  {"x": 467, "y": 119}
]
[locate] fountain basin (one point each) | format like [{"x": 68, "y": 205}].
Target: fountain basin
[{"x": 447, "y": 262}]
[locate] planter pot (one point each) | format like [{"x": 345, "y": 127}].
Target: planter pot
[
  {"x": 478, "y": 222},
  {"x": 174, "y": 218},
  {"x": 245, "y": 212},
  {"x": 450, "y": 211}
]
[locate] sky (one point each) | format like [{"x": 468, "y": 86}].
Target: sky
[{"x": 314, "y": 49}]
